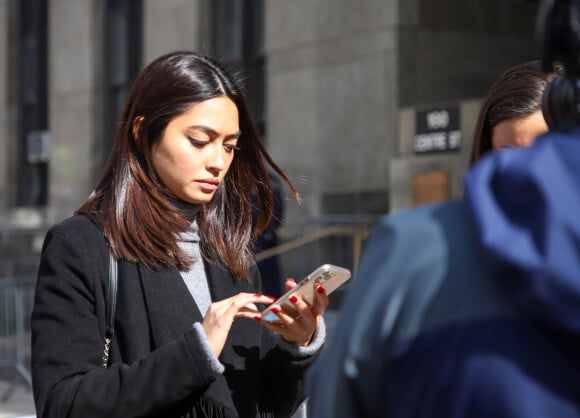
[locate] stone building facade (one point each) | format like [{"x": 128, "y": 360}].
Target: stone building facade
[{"x": 338, "y": 88}]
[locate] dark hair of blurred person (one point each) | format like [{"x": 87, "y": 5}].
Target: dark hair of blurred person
[{"x": 511, "y": 110}]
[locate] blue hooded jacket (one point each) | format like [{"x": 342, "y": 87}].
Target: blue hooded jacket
[
  {"x": 467, "y": 308},
  {"x": 526, "y": 205}
]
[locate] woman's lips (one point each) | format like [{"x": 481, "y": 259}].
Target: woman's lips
[{"x": 209, "y": 185}]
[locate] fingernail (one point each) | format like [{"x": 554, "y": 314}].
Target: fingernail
[
  {"x": 258, "y": 318},
  {"x": 294, "y": 298},
  {"x": 290, "y": 279},
  {"x": 272, "y": 298},
  {"x": 276, "y": 309},
  {"x": 320, "y": 288}
]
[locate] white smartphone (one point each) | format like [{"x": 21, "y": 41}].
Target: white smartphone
[{"x": 329, "y": 275}]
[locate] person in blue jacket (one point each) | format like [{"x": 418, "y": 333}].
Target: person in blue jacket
[
  {"x": 467, "y": 308},
  {"x": 471, "y": 308}
]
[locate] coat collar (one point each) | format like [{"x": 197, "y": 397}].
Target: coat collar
[
  {"x": 172, "y": 312},
  {"x": 171, "y": 307}
]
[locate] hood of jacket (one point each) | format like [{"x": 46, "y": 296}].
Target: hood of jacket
[{"x": 526, "y": 206}]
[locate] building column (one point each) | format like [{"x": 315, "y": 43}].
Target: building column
[
  {"x": 172, "y": 25},
  {"x": 4, "y": 134},
  {"x": 74, "y": 69},
  {"x": 7, "y": 119}
]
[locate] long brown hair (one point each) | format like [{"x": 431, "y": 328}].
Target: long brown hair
[
  {"x": 516, "y": 93},
  {"x": 137, "y": 212}
]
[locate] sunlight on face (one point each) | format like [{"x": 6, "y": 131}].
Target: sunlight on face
[
  {"x": 197, "y": 149},
  {"x": 518, "y": 132}
]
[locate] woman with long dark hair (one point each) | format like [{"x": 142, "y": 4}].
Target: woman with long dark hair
[
  {"x": 511, "y": 111},
  {"x": 174, "y": 208}
]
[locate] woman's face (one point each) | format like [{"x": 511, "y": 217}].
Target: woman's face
[
  {"x": 197, "y": 149},
  {"x": 518, "y": 132}
]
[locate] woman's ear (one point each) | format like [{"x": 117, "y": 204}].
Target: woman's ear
[{"x": 136, "y": 129}]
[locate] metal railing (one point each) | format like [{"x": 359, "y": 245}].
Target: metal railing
[
  {"x": 20, "y": 251},
  {"x": 16, "y": 299},
  {"x": 335, "y": 239},
  {"x": 357, "y": 234},
  {"x": 19, "y": 257}
]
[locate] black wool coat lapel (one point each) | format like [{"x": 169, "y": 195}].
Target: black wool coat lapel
[
  {"x": 170, "y": 306},
  {"x": 172, "y": 311}
]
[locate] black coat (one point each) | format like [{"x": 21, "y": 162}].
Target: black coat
[{"x": 159, "y": 368}]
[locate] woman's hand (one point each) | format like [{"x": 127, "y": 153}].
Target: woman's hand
[
  {"x": 298, "y": 324},
  {"x": 221, "y": 315}
]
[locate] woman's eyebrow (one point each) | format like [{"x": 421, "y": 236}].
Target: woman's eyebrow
[{"x": 212, "y": 132}]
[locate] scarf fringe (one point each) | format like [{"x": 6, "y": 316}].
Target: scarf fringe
[{"x": 208, "y": 408}]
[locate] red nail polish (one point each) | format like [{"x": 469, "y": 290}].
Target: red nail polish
[
  {"x": 320, "y": 288},
  {"x": 258, "y": 318},
  {"x": 293, "y": 298},
  {"x": 290, "y": 279},
  {"x": 258, "y": 295},
  {"x": 276, "y": 309},
  {"x": 272, "y": 298}
]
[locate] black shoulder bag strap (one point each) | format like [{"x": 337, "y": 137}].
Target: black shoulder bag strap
[{"x": 110, "y": 308}]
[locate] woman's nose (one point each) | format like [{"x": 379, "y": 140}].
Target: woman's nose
[{"x": 216, "y": 160}]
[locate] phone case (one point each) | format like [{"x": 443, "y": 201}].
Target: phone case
[{"x": 329, "y": 275}]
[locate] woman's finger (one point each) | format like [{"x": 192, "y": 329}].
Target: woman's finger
[
  {"x": 321, "y": 300},
  {"x": 290, "y": 283}
]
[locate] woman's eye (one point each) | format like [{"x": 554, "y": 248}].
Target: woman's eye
[
  {"x": 231, "y": 147},
  {"x": 198, "y": 144}
]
